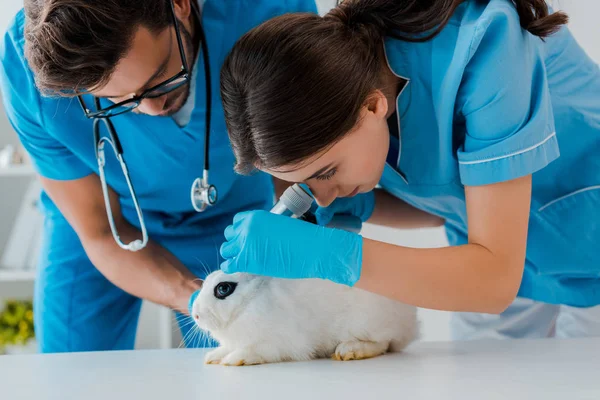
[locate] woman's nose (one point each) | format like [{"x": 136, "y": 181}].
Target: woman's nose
[
  {"x": 153, "y": 107},
  {"x": 324, "y": 196}
]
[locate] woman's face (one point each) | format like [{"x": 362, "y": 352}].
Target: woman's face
[{"x": 353, "y": 165}]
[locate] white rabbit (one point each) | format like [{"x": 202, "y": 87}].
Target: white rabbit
[{"x": 259, "y": 320}]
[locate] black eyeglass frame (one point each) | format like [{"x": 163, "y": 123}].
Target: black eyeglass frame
[{"x": 150, "y": 93}]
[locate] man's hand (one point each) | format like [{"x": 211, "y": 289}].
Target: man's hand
[{"x": 152, "y": 273}]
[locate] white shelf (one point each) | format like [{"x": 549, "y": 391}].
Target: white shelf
[
  {"x": 7, "y": 275},
  {"x": 18, "y": 170}
]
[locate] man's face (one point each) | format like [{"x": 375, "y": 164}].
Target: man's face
[{"x": 152, "y": 59}]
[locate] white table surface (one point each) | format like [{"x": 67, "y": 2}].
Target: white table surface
[{"x": 523, "y": 369}]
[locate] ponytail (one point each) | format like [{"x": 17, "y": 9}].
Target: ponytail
[
  {"x": 534, "y": 17},
  {"x": 421, "y": 20},
  {"x": 409, "y": 20}
]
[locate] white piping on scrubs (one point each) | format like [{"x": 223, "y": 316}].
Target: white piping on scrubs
[
  {"x": 511, "y": 154},
  {"x": 586, "y": 189},
  {"x": 397, "y": 111}
]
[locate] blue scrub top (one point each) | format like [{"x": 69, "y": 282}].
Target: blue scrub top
[
  {"x": 488, "y": 102},
  {"x": 163, "y": 158}
]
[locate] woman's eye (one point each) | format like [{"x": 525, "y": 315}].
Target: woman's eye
[
  {"x": 224, "y": 289},
  {"x": 327, "y": 176}
]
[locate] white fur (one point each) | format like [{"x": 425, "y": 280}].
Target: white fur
[{"x": 269, "y": 320}]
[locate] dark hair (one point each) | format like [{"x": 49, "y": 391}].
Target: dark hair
[
  {"x": 277, "y": 109},
  {"x": 77, "y": 44}
]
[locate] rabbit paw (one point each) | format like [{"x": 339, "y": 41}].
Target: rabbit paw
[
  {"x": 242, "y": 357},
  {"x": 359, "y": 350},
  {"x": 215, "y": 356}
]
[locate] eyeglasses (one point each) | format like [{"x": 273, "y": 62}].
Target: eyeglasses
[{"x": 156, "y": 91}]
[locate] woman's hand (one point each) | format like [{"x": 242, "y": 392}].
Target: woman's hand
[
  {"x": 379, "y": 208},
  {"x": 361, "y": 206},
  {"x": 263, "y": 243}
]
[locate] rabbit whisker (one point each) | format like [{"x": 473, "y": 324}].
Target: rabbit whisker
[{"x": 187, "y": 336}]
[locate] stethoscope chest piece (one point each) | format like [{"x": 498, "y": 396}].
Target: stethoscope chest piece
[{"x": 203, "y": 194}]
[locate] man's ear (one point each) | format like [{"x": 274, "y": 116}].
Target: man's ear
[{"x": 183, "y": 9}]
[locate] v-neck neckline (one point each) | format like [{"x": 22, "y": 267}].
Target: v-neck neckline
[{"x": 398, "y": 125}]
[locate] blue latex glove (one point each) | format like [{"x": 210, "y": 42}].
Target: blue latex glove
[
  {"x": 268, "y": 244},
  {"x": 361, "y": 206}
]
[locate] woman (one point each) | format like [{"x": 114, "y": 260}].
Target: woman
[{"x": 482, "y": 114}]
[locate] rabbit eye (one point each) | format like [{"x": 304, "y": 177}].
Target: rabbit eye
[{"x": 224, "y": 289}]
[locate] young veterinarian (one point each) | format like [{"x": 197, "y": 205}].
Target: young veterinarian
[
  {"x": 132, "y": 78},
  {"x": 481, "y": 115}
]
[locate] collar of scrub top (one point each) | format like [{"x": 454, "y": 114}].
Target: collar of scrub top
[
  {"x": 103, "y": 115},
  {"x": 392, "y": 65}
]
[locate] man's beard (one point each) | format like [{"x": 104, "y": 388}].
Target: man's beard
[{"x": 177, "y": 99}]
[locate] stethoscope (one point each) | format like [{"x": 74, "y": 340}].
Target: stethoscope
[{"x": 203, "y": 194}]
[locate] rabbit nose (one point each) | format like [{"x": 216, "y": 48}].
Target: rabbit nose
[{"x": 192, "y": 300}]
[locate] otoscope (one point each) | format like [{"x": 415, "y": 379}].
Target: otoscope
[{"x": 296, "y": 202}]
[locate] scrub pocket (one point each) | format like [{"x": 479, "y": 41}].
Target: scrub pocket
[{"x": 564, "y": 235}]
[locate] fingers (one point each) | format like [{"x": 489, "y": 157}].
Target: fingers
[
  {"x": 229, "y": 249},
  {"x": 239, "y": 217},
  {"x": 226, "y": 267},
  {"x": 233, "y": 235},
  {"x": 323, "y": 216},
  {"x": 240, "y": 239},
  {"x": 230, "y": 232}
]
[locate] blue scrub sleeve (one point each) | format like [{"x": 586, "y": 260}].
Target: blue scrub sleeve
[
  {"x": 505, "y": 102},
  {"x": 22, "y": 103},
  {"x": 252, "y": 16}
]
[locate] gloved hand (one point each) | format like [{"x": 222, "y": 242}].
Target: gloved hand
[
  {"x": 361, "y": 206},
  {"x": 268, "y": 244}
]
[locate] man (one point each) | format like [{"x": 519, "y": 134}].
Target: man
[{"x": 89, "y": 289}]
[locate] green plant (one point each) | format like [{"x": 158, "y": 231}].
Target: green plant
[{"x": 16, "y": 323}]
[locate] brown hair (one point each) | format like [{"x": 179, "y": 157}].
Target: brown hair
[
  {"x": 294, "y": 86},
  {"x": 75, "y": 45}
]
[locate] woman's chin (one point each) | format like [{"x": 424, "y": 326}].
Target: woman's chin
[{"x": 368, "y": 188}]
